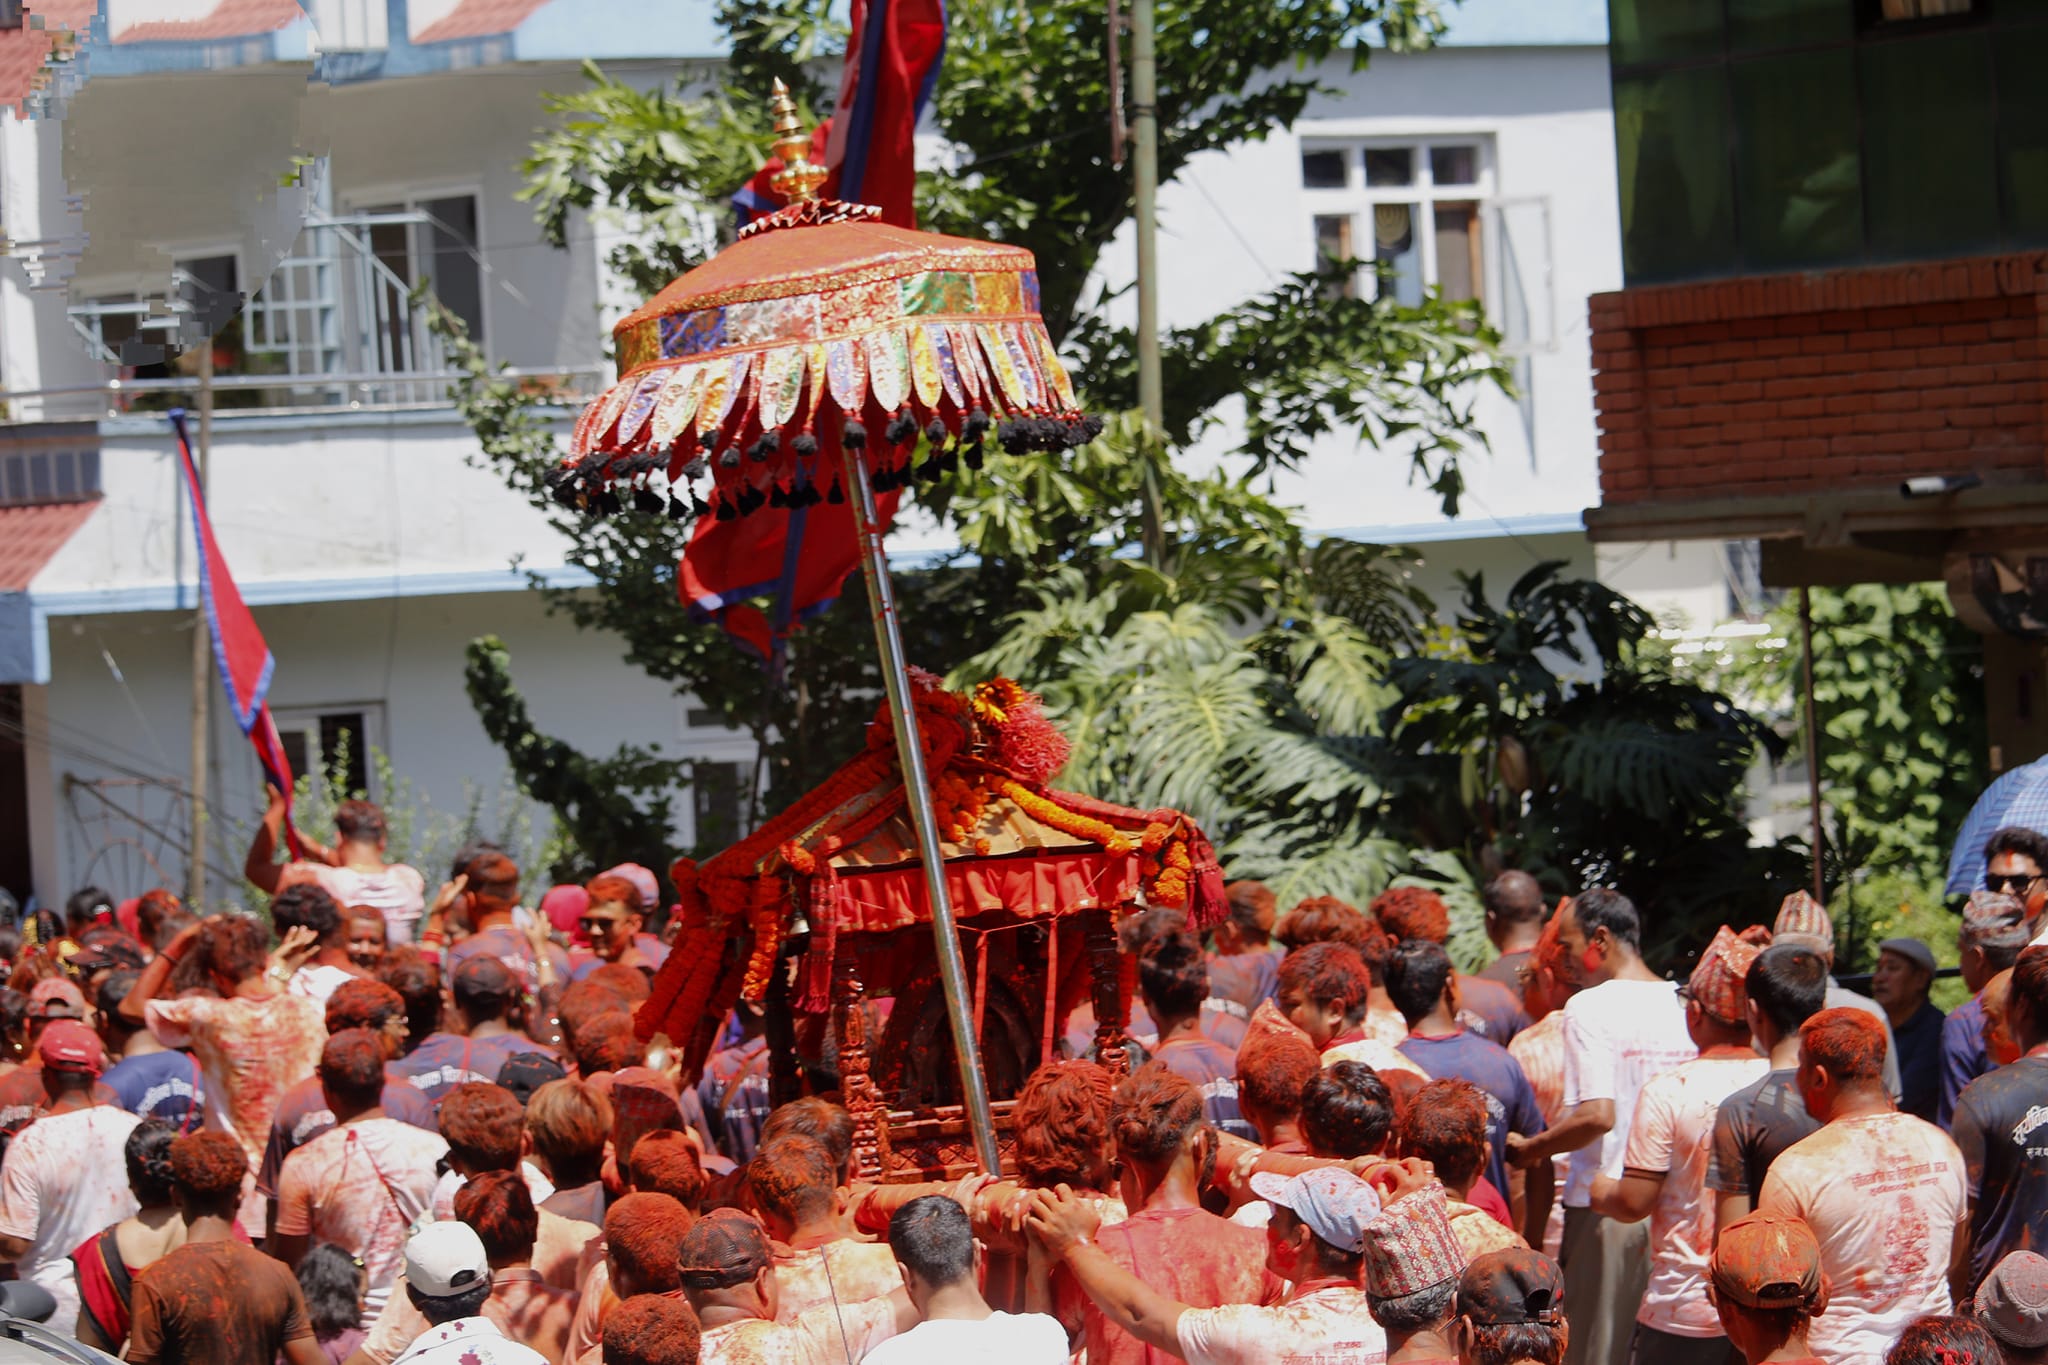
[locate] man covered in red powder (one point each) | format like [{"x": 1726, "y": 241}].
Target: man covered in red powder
[
  {"x": 1664, "y": 1169},
  {"x": 1326, "y": 991},
  {"x": 1273, "y": 1068},
  {"x": 1546, "y": 986},
  {"x": 1315, "y": 1240},
  {"x": 726, "y": 1269},
  {"x": 216, "y": 1301},
  {"x": 1885, "y": 1193},
  {"x": 1169, "y": 1241},
  {"x": 794, "y": 1182},
  {"x": 253, "y": 1039},
  {"x": 1445, "y": 1125}
]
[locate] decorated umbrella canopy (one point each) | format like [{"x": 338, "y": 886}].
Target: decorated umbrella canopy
[
  {"x": 843, "y": 860},
  {"x": 763, "y": 375}
]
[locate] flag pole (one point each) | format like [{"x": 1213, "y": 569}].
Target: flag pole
[
  {"x": 202, "y": 651},
  {"x": 917, "y": 788}
]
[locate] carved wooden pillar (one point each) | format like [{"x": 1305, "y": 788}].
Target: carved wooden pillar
[
  {"x": 857, "y": 1088},
  {"x": 1105, "y": 970}
]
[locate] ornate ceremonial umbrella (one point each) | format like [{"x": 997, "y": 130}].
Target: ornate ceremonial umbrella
[{"x": 763, "y": 376}]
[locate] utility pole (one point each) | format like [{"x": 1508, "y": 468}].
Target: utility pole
[
  {"x": 1145, "y": 175},
  {"x": 202, "y": 654}
]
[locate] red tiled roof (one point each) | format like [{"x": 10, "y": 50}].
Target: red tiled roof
[
  {"x": 30, "y": 536},
  {"x": 478, "y": 19},
  {"x": 230, "y": 19},
  {"x": 22, "y": 50}
]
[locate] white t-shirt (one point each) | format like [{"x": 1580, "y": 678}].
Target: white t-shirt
[
  {"x": 362, "y": 1187},
  {"x": 998, "y": 1339},
  {"x": 1328, "y": 1327},
  {"x": 1617, "y": 1035},
  {"x": 1672, "y": 1132},
  {"x": 1883, "y": 1194},
  {"x": 317, "y": 983},
  {"x": 823, "y": 1336},
  {"x": 399, "y": 891},
  {"x": 65, "y": 1179}
]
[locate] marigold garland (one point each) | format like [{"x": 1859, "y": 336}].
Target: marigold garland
[
  {"x": 766, "y": 922},
  {"x": 1048, "y": 812}
]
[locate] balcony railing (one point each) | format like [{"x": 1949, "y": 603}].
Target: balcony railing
[{"x": 339, "y": 325}]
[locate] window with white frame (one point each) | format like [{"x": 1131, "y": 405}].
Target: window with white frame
[
  {"x": 432, "y": 240},
  {"x": 1410, "y": 207}
]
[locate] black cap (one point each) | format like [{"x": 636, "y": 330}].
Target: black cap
[
  {"x": 1502, "y": 1288},
  {"x": 526, "y": 1072}
]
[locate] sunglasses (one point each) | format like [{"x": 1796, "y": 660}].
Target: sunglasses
[
  {"x": 2010, "y": 882},
  {"x": 599, "y": 922}
]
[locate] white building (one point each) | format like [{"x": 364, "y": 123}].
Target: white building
[{"x": 370, "y": 547}]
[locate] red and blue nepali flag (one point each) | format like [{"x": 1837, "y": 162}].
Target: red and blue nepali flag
[
  {"x": 801, "y": 557},
  {"x": 245, "y": 661}
]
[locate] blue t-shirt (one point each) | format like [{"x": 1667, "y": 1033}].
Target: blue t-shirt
[
  {"x": 1963, "y": 1058},
  {"x": 446, "y": 1060},
  {"x": 1212, "y": 1069},
  {"x": 160, "y": 1085},
  {"x": 1510, "y": 1099}
]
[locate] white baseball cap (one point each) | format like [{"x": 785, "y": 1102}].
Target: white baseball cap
[{"x": 445, "y": 1259}]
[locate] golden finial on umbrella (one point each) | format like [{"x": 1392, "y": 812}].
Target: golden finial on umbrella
[{"x": 800, "y": 177}]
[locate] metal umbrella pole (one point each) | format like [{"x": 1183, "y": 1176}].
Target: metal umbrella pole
[{"x": 910, "y": 753}]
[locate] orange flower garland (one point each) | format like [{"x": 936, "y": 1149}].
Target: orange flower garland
[
  {"x": 1065, "y": 821},
  {"x": 765, "y": 919}
]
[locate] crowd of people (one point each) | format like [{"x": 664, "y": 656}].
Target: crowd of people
[{"x": 380, "y": 1127}]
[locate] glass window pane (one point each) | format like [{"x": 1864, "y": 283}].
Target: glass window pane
[
  {"x": 1767, "y": 25},
  {"x": 1671, "y": 135},
  {"x": 1333, "y": 250},
  {"x": 1322, "y": 170},
  {"x": 1454, "y": 165},
  {"x": 1798, "y": 176},
  {"x": 1663, "y": 30},
  {"x": 1390, "y": 165},
  {"x": 1458, "y": 271},
  {"x": 452, "y": 264},
  {"x": 1930, "y": 178},
  {"x": 1397, "y": 251},
  {"x": 2023, "y": 134}
]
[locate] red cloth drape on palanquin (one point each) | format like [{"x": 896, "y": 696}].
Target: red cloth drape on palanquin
[{"x": 843, "y": 859}]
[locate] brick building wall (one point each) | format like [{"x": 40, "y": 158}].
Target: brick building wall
[{"x": 1832, "y": 382}]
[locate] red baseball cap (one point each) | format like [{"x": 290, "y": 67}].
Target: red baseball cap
[{"x": 67, "y": 1045}]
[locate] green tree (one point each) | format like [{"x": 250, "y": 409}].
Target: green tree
[
  {"x": 1016, "y": 81},
  {"x": 1898, "y": 686}
]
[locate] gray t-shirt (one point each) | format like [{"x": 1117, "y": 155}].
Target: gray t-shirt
[{"x": 1755, "y": 1124}]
